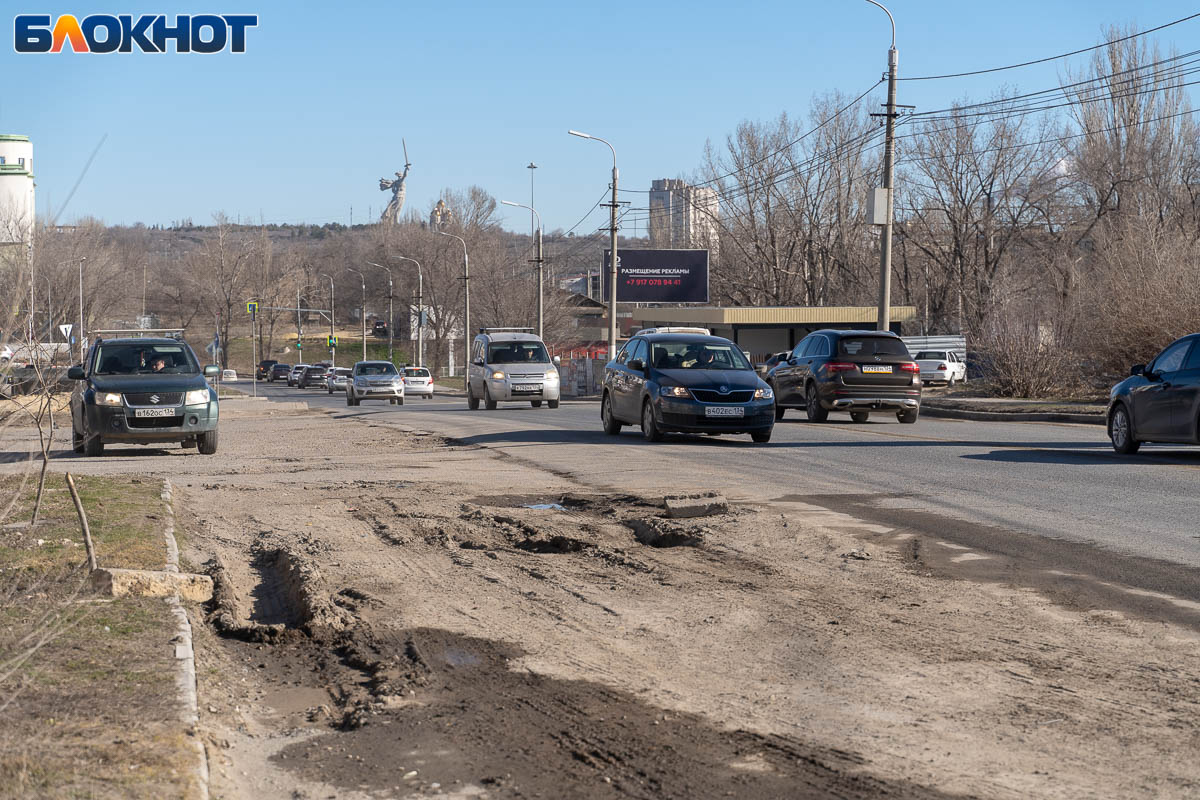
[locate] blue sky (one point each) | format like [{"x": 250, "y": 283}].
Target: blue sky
[{"x": 302, "y": 126}]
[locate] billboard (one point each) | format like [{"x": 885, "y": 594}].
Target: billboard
[{"x": 659, "y": 276}]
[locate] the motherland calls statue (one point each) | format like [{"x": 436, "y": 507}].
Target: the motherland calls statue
[{"x": 396, "y": 204}]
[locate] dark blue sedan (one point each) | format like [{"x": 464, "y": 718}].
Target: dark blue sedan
[
  {"x": 667, "y": 380},
  {"x": 1159, "y": 401}
]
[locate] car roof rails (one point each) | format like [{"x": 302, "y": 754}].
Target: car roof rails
[
  {"x": 675, "y": 329},
  {"x": 504, "y": 330},
  {"x": 142, "y": 333}
]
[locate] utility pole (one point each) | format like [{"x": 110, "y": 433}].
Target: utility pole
[
  {"x": 889, "y": 152},
  {"x": 391, "y": 312},
  {"x": 614, "y": 258},
  {"x": 332, "y": 332},
  {"x": 82, "y": 355},
  {"x": 362, "y": 310},
  {"x": 420, "y": 311},
  {"x": 466, "y": 303},
  {"x": 537, "y": 260},
  {"x": 299, "y": 330}
]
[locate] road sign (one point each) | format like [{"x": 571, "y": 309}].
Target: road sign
[
  {"x": 66, "y": 330},
  {"x": 252, "y": 307}
]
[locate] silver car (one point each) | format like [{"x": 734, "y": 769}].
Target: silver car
[
  {"x": 418, "y": 381},
  {"x": 337, "y": 378},
  {"x": 294, "y": 375},
  {"x": 510, "y": 364},
  {"x": 375, "y": 380}
]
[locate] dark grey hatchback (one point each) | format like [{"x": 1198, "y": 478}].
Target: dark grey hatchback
[
  {"x": 668, "y": 380},
  {"x": 1159, "y": 401}
]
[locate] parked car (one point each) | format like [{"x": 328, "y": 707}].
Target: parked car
[
  {"x": 685, "y": 382},
  {"x": 854, "y": 371},
  {"x": 278, "y": 372},
  {"x": 1159, "y": 401},
  {"x": 264, "y": 369},
  {"x": 418, "y": 381},
  {"x": 375, "y": 380},
  {"x": 511, "y": 364},
  {"x": 941, "y": 365},
  {"x": 294, "y": 376},
  {"x": 229, "y": 375},
  {"x": 336, "y": 379},
  {"x": 313, "y": 376},
  {"x": 774, "y": 359},
  {"x": 142, "y": 391}
]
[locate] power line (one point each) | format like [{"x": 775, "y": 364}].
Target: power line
[{"x": 1050, "y": 58}]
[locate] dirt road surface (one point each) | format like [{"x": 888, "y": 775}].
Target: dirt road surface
[{"x": 395, "y": 619}]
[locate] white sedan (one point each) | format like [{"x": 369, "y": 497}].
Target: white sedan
[
  {"x": 418, "y": 381},
  {"x": 941, "y": 365}
]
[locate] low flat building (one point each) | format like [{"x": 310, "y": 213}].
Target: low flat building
[{"x": 762, "y": 331}]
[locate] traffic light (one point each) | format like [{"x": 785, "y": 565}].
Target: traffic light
[
  {"x": 331, "y": 341},
  {"x": 299, "y": 346}
]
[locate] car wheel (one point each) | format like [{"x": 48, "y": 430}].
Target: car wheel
[
  {"x": 488, "y": 402},
  {"x": 535, "y": 403},
  {"x": 399, "y": 401},
  {"x": 779, "y": 412},
  {"x": 650, "y": 429},
  {"x": 93, "y": 445},
  {"x": 472, "y": 400},
  {"x": 611, "y": 426},
  {"x": 76, "y": 441},
  {"x": 208, "y": 443},
  {"x": 812, "y": 406},
  {"x": 761, "y": 437},
  {"x": 908, "y": 417},
  {"x": 859, "y": 416},
  {"x": 1120, "y": 430},
  {"x": 551, "y": 404},
  {"x": 349, "y": 400},
  {"x": 330, "y": 390}
]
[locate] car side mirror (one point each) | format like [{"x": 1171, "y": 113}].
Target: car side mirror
[
  {"x": 1137, "y": 369},
  {"x": 76, "y": 373},
  {"x": 637, "y": 365},
  {"x": 211, "y": 370},
  {"x": 557, "y": 360},
  {"x": 477, "y": 362}
]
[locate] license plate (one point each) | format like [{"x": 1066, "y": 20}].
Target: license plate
[
  {"x": 887, "y": 368},
  {"x": 154, "y": 412},
  {"x": 526, "y": 387},
  {"x": 724, "y": 411}
]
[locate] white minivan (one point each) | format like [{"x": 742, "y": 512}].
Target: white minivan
[{"x": 511, "y": 364}]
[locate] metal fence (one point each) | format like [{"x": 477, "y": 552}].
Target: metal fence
[{"x": 956, "y": 344}]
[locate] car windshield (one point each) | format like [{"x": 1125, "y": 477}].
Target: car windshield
[
  {"x": 872, "y": 346},
  {"x": 517, "y": 352},
  {"x": 315, "y": 370},
  {"x": 697, "y": 355},
  {"x": 930, "y": 355},
  {"x": 144, "y": 359},
  {"x": 375, "y": 369},
  {"x": 413, "y": 372},
  {"x": 342, "y": 372}
]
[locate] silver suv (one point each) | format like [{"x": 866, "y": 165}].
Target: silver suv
[{"x": 511, "y": 364}]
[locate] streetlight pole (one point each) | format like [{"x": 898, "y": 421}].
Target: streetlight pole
[
  {"x": 889, "y": 152},
  {"x": 80, "y": 334},
  {"x": 391, "y": 313},
  {"x": 613, "y": 259},
  {"x": 420, "y": 311},
  {"x": 466, "y": 303},
  {"x": 541, "y": 316},
  {"x": 531, "y": 167},
  {"x": 362, "y": 310},
  {"x": 332, "y": 346}
]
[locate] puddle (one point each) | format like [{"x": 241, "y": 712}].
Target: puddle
[{"x": 547, "y": 506}]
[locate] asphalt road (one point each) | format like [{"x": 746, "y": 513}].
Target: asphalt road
[{"x": 1025, "y": 498}]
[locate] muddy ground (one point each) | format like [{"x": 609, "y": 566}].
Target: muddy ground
[{"x": 394, "y": 620}]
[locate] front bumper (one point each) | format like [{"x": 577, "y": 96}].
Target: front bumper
[
  {"x": 375, "y": 392},
  {"x": 507, "y": 389},
  {"x": 118, "y": 423},
  {"x": 688, "y": 416}
]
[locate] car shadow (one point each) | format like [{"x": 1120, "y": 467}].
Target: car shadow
[{"x": 1075, "y": 456}]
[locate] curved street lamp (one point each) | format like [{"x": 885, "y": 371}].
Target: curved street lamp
[
  {"x": 362, "y": 310},
  {"x": 332, "y": 333},
  {"x": 612, "y": 266},
  {"x": 420, "y": 311},
  {"x": 538, "y": 258},
  {"x": 391, "y": 313},
  {"x": 889, "y": 152},
  {"x": 466, "y": 304}
]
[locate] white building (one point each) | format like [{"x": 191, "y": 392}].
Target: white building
[
  {"x": 16, "y": 189},
  {"x": 682, "y": 216}
]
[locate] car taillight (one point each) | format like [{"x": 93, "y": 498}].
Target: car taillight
[
  {"x": 839, "y": 366},
  {"x": 941, "y": 366},
  {"x": 911, "y": 367}
]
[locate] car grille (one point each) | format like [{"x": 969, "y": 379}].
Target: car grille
[
  {"x": 709, "y": 396},
  {"x": 164, "y": 398},
  {"x": 697, "y": 421},
  {"x": 154, "y": 422}
]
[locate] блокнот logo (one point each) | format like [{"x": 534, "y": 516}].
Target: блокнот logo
[{"x": 120, "y": 33}]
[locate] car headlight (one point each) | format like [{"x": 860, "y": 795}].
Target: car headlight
[
  {"x": 196, "y": 396},
  {"x": 551, "y": 374},
  {"x": 108, "y": 399},
  {"x": 673, "y": 391},
  {"x": 764, "y": 393},
  {"x": 497, "y": 375},
  {"x": 360, "y": 381}
]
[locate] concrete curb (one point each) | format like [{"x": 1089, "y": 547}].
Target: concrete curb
[
  {"x": 1003, "y": 416},
  {"x": 185, "y": 676}
]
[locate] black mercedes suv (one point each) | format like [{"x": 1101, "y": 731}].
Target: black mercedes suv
[
  {"x": 855, "y": 371},
  {"x": 142, "y": 391},
  {"x": 671, "y": 379}
]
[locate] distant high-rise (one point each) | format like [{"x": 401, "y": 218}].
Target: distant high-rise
[
  {"x": 682, "y": 216},
  {"x": 16, "y": 189}
]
